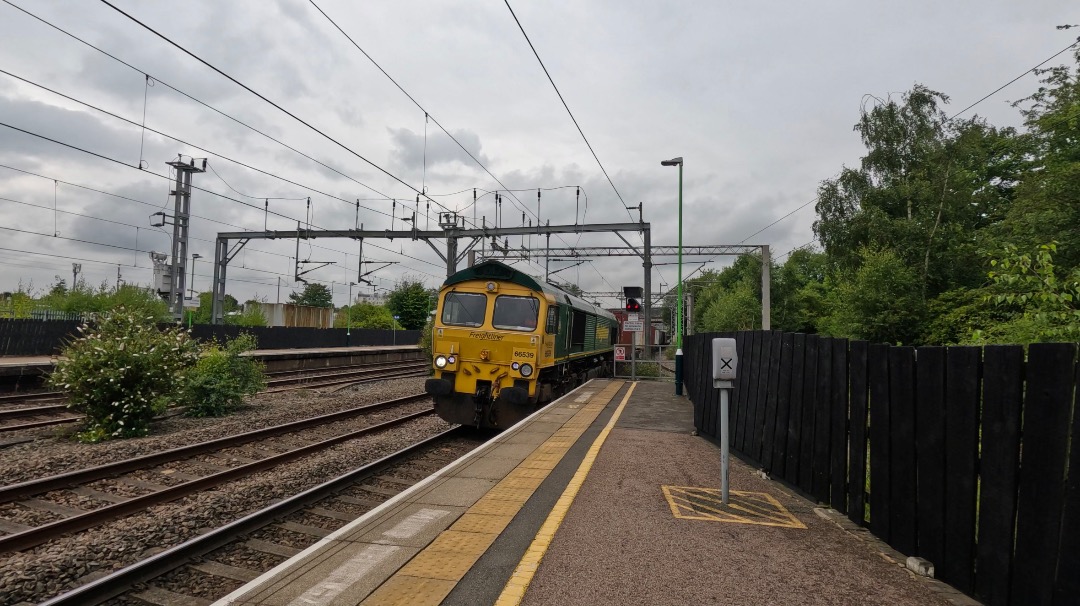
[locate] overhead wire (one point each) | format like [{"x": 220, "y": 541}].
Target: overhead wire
[
  {"x": 517, "y": 202},
  {"x": 1003, "y": 86},
  {"x": 559, "y": 93},
  {"x": 103, "y": 157},
  {"x": 194, "y": 146},
  {"x": 265, "y": 99}
]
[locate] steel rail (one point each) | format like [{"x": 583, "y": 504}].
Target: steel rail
[
  {"x": 21, "y": 490},
  {"x": 108, "y": 587},
  {"x": 359, "y": 373},
  {"x": 41, "y": 534},
  {"x": 13, "y": 413},
  {"x": 39, "y": 424}
]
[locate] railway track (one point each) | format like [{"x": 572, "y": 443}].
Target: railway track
[
  {"x": 37, "y": 511},
  {"x": 217, "y": 562},
  {"x": 33, "y": 411}
]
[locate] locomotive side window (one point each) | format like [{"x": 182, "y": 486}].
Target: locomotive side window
[
  {"x": 464, "y": 309},
  {"x": 515, "y": 313},
  {"x": 552, "y": 320}
]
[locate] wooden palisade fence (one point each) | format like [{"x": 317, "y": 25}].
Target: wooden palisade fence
[{"x": 957, "y": 454}]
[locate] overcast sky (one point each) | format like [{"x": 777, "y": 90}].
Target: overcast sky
[{"x": 758, "y": 98}]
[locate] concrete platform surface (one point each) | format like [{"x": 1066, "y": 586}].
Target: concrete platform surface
[{"x": 604, "y": 497}]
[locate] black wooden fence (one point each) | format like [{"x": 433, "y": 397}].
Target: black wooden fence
[
  {"x": 43, "y": 338},
  {"x": 960, "y": 455}
]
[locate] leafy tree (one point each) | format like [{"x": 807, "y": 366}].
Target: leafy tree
[
  {"x": 1047, "y": 208},
  {"x": 313, "y": 295},
  {"x": 365, "y": 315},
  {"x": 411, "y": 302},
  {"x": 880, "y": 302},
  {"x": 1043, "y": 306},
  {"x": 924, "y": 189},
  {"x": 735, "y": 308},
  {"x": 798, "y": 292},
  {"x": 206, "y": 307}
]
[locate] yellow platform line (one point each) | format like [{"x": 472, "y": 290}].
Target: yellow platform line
[{"x": 514, "y": 591}]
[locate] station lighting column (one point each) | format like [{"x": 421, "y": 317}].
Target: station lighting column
[{"x": 679, "y": 312}]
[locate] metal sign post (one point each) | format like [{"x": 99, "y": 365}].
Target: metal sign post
[
  {"x": 633, "y": 327},
  {"x": 724, "y": 361}
]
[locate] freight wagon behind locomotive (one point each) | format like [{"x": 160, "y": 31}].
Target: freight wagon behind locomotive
[{"x": 504, "y": 344}]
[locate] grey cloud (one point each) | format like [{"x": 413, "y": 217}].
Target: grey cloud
[{"x": 409, "y": 150}]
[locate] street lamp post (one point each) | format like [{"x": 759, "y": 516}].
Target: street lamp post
[
  {"x": 348, "y": 318},
  {"x": 193, "y": 257},
  {"x": 679, "y": 312}
]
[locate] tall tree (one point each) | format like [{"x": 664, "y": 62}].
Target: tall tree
[
  {"x": 1047, "y": 208},
  {"x": 313, "y": 295},
  {"x": 411, "y": 302},
  {"x": 925, "y": 194}
]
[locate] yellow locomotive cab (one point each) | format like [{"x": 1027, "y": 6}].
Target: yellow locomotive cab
[{"x": 494, "y": 347}]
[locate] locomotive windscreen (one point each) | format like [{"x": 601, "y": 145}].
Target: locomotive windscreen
[{"x": 464, "y": 309}]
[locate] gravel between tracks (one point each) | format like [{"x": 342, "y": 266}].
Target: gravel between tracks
[{"x": 57, "y": 566}]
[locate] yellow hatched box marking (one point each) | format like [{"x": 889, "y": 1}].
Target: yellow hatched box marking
[{"x": 759, "y": 508}]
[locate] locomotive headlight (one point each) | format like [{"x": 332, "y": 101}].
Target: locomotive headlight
[
  {"x": 451, "y": 360},
  {"x": 526, "y": 370},
  {"x": 440, "y": 361},
  {"x": 515, "y": 365}
]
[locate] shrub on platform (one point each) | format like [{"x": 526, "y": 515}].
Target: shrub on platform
[
  {"x": 121, "y": 372},
  {"x": 216, "y": 386}
]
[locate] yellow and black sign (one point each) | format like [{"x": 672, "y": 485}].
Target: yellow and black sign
[{"x": 602, "y": 333}]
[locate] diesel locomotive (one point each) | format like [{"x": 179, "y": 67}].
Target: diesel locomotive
[{"x": 504, "y": 344}]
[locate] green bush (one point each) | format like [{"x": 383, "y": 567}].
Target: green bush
[
  {"x": 121, "y": 372},
  {"x": 426, "y": 335},
  {"x": 216, "y": 386}
]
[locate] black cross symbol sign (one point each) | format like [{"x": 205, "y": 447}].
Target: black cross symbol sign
[{"x": 725, "y": 363}]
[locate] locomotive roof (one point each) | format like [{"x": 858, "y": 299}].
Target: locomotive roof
[{"x": 494, "y": 270}]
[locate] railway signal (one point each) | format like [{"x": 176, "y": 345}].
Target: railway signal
[{"x": 633, "y": 306}]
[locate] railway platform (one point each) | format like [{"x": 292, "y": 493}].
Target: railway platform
[{"x": 604, "y": 497}]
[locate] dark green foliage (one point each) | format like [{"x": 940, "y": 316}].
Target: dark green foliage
[
  {"x": 121, "y": 371},
  {"x": 84, "y": 299},
  {"x": 216, "y": 386},
  {"x": 425, "y": 337},
  {"x": 364, "y": 315},
  {"x": 206, "y": 307},
  {"x": 313, "y": 295},
  {"x": 411, "y": 302}
]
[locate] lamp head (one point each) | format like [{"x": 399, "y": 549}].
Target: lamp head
[
  {"x": 196, "y": 256},
  {"x": 672, "y": 162}
]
